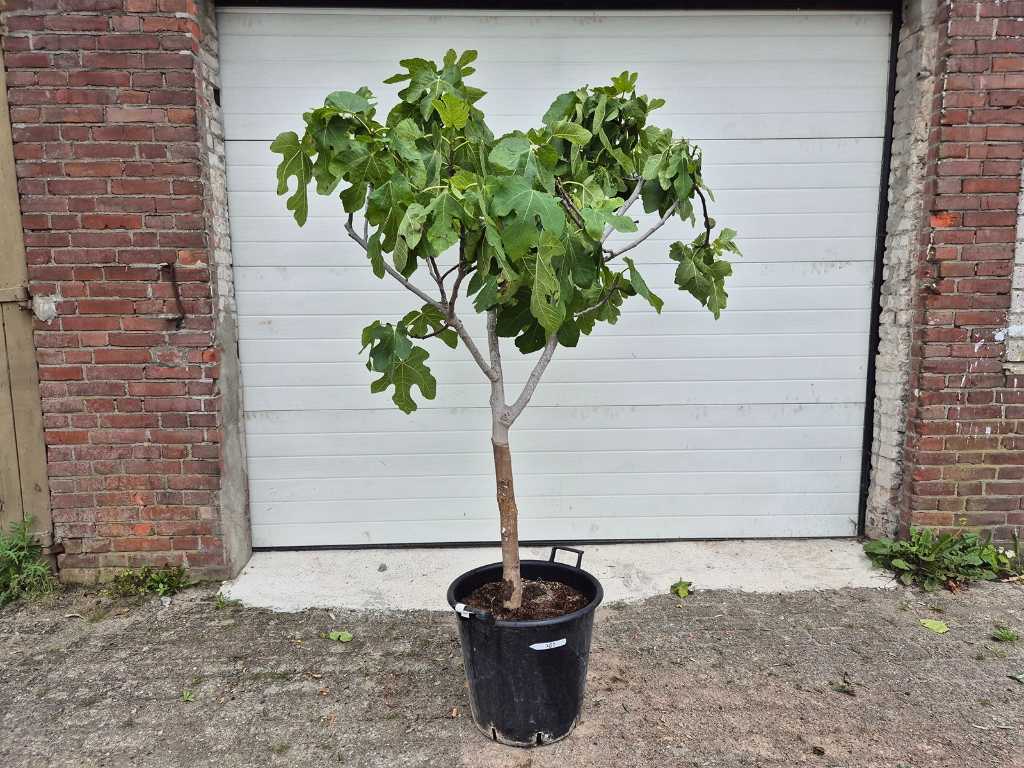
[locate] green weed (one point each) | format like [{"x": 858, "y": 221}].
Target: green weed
[
  {"x": 164, "y": 582},
  {"x": 24, "y": 571},
  {"x": 948, "y": 560}
]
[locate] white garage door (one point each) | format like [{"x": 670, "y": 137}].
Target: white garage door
[{"x": 658, "y": 427}]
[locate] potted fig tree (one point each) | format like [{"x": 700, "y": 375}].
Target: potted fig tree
[{"x": 523, "y": 228}]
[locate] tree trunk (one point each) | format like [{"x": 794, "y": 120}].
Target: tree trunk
[{"x": 512, "y": 583}]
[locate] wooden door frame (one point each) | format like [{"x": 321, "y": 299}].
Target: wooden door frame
[{"x": 23, "y": 474}]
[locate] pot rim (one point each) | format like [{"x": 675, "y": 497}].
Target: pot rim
[{"x": 590, "y": 607}]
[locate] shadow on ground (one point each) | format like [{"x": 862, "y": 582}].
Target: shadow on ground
[{"x": 842, "y": 678}]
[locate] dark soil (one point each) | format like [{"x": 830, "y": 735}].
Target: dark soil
[{"x": 541, "y": 600}]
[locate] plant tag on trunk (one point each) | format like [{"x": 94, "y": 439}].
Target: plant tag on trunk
[{"x": 548, "y": 645}]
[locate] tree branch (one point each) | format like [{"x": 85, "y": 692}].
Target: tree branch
[
  {"x": 436, "y": 274},
  {"x": 707, "y": 219},
  {"x": 391, "y": 270},
  {"x": 472, "y": 347},
  {"x": 453, "y": 321},
  {"x": 570, "y": 207},
  {"x": 661, "y": 222},
  {"x": 531, "y": 383},
  {"x": 625, "y": 207},
  {"x": 604, "y": 299},
  {"x": 498, "y": 407}
]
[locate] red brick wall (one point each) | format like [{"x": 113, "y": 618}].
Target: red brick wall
[
  {"x": 103, "y": 97},
  {"x": 964, "y": 457}
]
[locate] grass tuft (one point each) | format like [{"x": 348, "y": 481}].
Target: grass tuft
[{"x": 24, "y": 572}]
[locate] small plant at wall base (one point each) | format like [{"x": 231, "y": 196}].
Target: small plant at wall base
[
  {"x": 24, "y": 572},
  {"x": 535, "y": 231},
  {"x": 528, "y": 216},
  {"x": 931, "y": 560},
  {"x": 163, "y": 582}
]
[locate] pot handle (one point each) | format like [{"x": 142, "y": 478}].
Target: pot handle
[{"x": 577, "y": 552}]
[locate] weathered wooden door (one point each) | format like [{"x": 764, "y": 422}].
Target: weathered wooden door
[{"x": 24, "y": 491}]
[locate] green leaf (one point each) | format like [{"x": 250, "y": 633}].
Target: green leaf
[
  {"x": 902, "y": 564},
  {"x": 621, "y": 223},
  {"x": 512, "y": 193},
  {"x": 653, "y": 196},
  {"x": 428, "y": 319},
  {"x": 599, "y": 111},
  {"x": 400, "y": 363},
  {"x": 294, "y": 162},
  {"x": 560, "y": 108},
  {"x": 497, "y": 246},
  {"x": 685, "y": 273},
  {"x": 362, "y": 166},
  {"x": 510, "y": 151},
  {"x": 569, "y": 333},
  {"x": 546, "y": 297},
  {"x": 681, "y": 588},
  {"x": 650, "y": 171},
  {"x": 574, "y": 133},
  {"x": 411, "y": 226},
  {"x": 487, "y": 296},
  {"x": 444, "y": 210},
  {"x": 1004, "y": 635},
  {"x": 454, "y": 112},
  {"x": 640, "y": 286},
  {"x": 878, "y": 546},
  {"x": 400, "y": 256},
  {"x": 934, "y": 625},
  {"x": 386, "y": 208},
  {"x": 346, "y": 101},
  {"x": 408, "y": 373},
  {"x": 339, "y": 636},
  {"x": 593, "y": 222},
  {"x": 374, "y": 255}
]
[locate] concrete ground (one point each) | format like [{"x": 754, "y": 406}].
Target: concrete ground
[
  {"x": 410, "y": 579},
  {"x": 721, "y": 679}
]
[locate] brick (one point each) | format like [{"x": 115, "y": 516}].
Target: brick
[{"x": 135, "y": 115}]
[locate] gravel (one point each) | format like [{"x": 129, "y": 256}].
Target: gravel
[{"x": 834, "y": 678}]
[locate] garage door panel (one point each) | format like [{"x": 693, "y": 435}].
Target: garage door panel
[
  {"x": 634, "y": 324},
  {"x": 249, "y": 181},
  {"x": 539, "y": 511},
  {"x": 717, "y": 152},
  {"x": 630, "y": 527},
  {"x": 578, "y": 371},
  {"x": 358, "y": 396},
  {"x": 599, "y": 347},
  {"x": 579, "y": 483},
  {"x": 728, "y": 202},
  {"x": 385, "y": 419},
  {"x": 658, "y": 426},
  {"x": 556, "y": 24},
  {"x": 336, "y": 280},
  {"x": 755, "y": 251},
  {"x": 411, "y": 466},
  {"x": 749, "y": 225},
  {"x": 386, "y": 305},
  {"x": 809, "y": 125},
  {"x": 567, "y": 75},
  {"x": 685, "y": 103}
]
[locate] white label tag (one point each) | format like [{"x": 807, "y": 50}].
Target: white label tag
[{"x": 548, "y": 645}]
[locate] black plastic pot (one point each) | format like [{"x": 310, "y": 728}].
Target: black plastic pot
[{"x": 526, "y": 678}]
